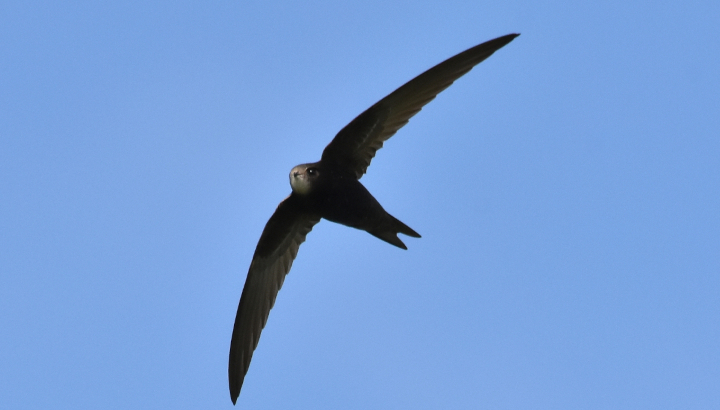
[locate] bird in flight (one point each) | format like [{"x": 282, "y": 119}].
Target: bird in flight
[{"x": 330, "y": 189}]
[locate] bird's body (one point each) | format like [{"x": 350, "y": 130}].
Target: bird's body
[
  {"x": 339, "y": 197},
  {"x": 330, "y": 189}
]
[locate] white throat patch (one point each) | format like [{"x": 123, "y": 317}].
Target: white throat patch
[{"x": 299, "y": 183}]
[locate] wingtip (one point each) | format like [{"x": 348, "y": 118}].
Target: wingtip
[
  {"x": 495, "y": 44},
  {"x": 507, "y": 38},
  {"x": 234, "y": 396}
]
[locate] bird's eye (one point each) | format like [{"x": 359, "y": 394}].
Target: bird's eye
[{"x": 311, "y": 171}]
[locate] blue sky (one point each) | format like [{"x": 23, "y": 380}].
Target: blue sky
[{"x": 567, "y": 191}]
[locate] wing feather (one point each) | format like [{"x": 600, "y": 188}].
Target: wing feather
[
  {"x": 354, "y": 146},
  {"x": 274, "y": 255}
]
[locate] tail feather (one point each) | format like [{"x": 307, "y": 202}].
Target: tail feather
[
  {"x": 388, "y": 232},
  {"x": 402, "y": 228}
]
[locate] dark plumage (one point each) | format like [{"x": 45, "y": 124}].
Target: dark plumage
[{"x": 331, "y": 189}]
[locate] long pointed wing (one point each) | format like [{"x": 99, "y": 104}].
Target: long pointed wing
[
  {"x": 354, "y": 146},
  {"x": 274, "y": 255}
]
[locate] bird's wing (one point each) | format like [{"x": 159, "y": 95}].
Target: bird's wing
[
  {"x": 273, "y": 257},
  {"x": 354, "y": 146}
]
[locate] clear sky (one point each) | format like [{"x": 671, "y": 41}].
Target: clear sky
[{"x": 567, "y": 191}]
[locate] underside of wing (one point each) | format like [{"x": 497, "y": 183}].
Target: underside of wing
[
  {"x": 274, "y": 255},
  {"x": 354, "y": 146}
]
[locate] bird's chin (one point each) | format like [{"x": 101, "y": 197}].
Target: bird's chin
[{"x": 300, "y": 185}]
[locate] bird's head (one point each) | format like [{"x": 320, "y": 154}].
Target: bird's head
[{"x": 303, "y": 177}]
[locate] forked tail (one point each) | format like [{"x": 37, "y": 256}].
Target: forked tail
[{"x": 390, "y": 228}]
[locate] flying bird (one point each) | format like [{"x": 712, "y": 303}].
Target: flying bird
[{"x": 330, "y": 189}]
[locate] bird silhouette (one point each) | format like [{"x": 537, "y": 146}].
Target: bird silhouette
[{"x": 330, "y": 189}]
